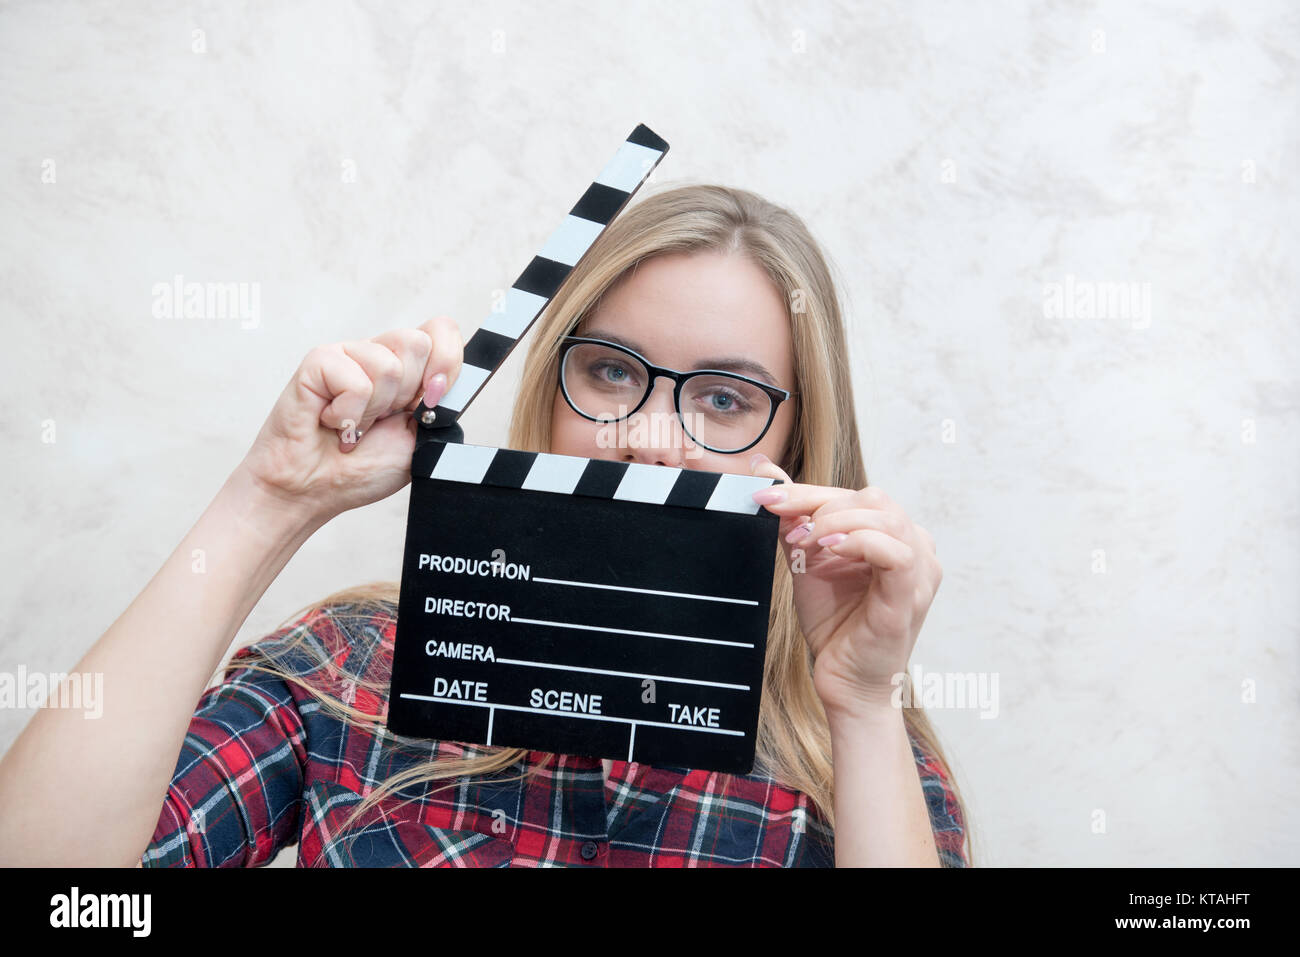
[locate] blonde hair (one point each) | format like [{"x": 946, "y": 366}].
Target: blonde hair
[{"x": 793, "y": 744}]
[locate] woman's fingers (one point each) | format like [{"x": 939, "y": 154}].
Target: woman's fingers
[
  {"x": 864, "y": 525},
  {"x": 341, "y": 387},
  {"x": 399, "y": 365},
  {"x": 384, "y": 369},
  {"x": 797, "y": 499},
  {"x": 876, "y": 548},
  {"x": 412, "y": 347},
  {"x": 445, "y": 359},
  {"x": 846, "y": 520}
]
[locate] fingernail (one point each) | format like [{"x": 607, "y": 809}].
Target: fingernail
[
  {"x": 800, "y": 531},
  {"x": 437, "y": 386},
  {"x": 769, "y": 496},
  {"x": 757, "y": 458},
  {"x": 828, "y": 540}
]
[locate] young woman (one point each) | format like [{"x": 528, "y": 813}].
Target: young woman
[{"x": 290, "y": 745}]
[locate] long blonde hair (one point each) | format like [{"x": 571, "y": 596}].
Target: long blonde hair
[{"x": 793, "y": 744}]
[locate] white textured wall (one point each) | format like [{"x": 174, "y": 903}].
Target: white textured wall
[{"x": 953, "y": 158}]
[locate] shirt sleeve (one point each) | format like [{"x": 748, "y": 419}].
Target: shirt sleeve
[
  {"x": 945, "y": 813},
  {"x": 236, "y": 794}
]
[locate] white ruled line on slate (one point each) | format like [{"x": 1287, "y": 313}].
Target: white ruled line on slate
[
  {"x": 646, "y": 591},
  {"x": 629, "y": 631},
  {"x": 621, "y": 674}
]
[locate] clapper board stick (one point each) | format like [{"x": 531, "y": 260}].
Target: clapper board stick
[
  {"x": 497, "y": 337},
  {"x": 574, "y": 605}
]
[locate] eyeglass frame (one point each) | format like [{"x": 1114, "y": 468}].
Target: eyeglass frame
[{"x": 775, "y": 394}]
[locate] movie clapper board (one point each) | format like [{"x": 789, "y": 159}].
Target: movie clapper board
[{"x": 574, "y": 605}]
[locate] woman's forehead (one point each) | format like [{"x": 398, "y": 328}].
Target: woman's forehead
[{"x": 685, "y": 308}]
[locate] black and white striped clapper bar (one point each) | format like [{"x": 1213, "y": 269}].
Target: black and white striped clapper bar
[
  {"x": 574, "y": 605},
  {"x": 524, "y": 301}
]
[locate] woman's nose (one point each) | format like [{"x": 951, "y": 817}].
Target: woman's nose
[{"x": 655, "y": 436}]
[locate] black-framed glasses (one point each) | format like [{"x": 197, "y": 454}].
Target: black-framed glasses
[{"x": 721, "y": 411}]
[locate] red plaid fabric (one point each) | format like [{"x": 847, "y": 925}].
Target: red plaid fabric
[{"x": 264, "y": 767}]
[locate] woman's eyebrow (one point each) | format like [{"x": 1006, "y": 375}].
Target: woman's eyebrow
[{"x": 728, "y": 363}]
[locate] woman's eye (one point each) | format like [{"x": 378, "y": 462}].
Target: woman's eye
[
  {"x": 725, "y": 401},
  {"x": 612, "y": 372}
]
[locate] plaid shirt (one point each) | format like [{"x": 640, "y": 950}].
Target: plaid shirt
[{"x": 264, "y": 767}]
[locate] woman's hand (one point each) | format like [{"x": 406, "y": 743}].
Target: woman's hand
[
  {"x": 341, "y": 435},
  {"x": 862, "y": 586}
]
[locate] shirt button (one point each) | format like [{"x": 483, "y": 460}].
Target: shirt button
[{"x": 589, "y": 850}]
